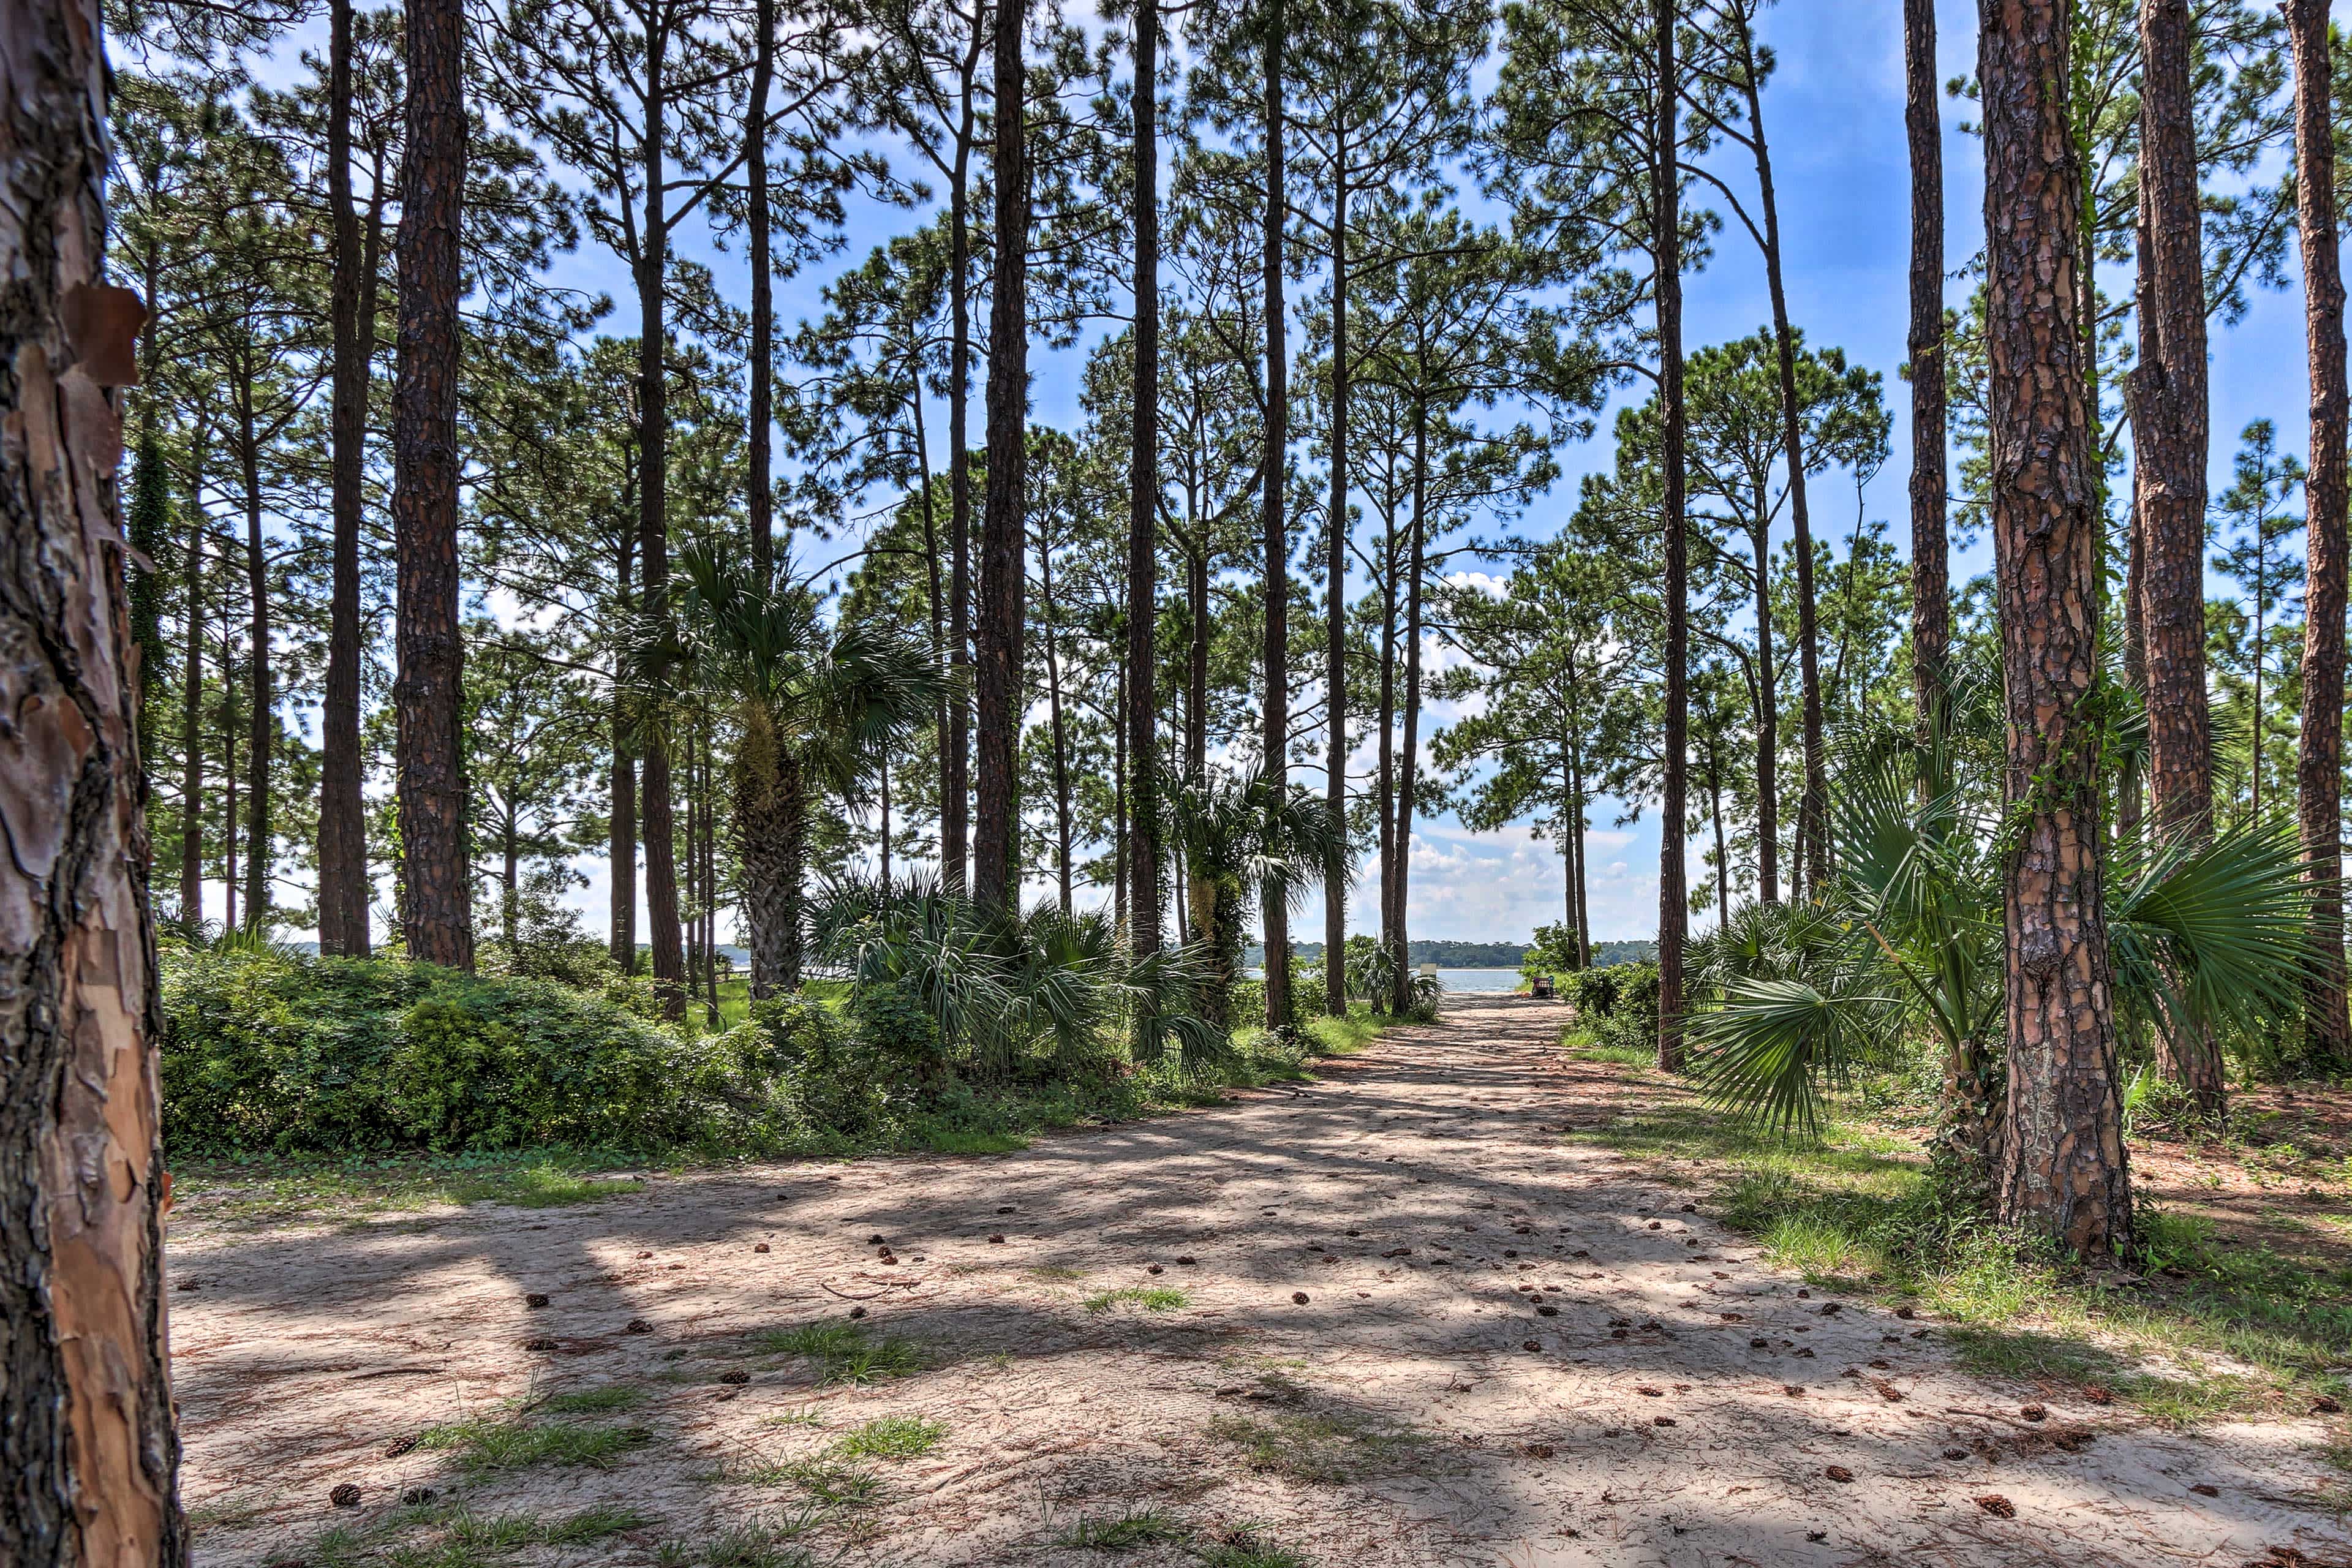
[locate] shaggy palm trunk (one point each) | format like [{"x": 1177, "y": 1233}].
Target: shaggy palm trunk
[
  {"x": 2319, "y": 757},
  {"x": 86, "y": 1444},
  {"x": 1275, "y": 760},
  {"x": 1666, "y": 235},
  {"x": 763, "y": 831},
  {"x": 438, "y": 903},
  {"x": 2061, "y": 1170},
  {"x": 1142, "y": 734},
  {"x": 792, "y": 789},
  {"x": 996, "y": 832},
  {"x": 1931, "y": 610}
]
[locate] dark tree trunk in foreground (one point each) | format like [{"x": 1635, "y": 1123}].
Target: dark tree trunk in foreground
[
  {"x": 1143, "y": 862},
  {"x": 1276, "y": 733},
  {"x": 1672, "y": 908},
  {"x": 2061, "y": 1161},
  {"x": 89, "y": 1459},
  {"x": 955, "y": 756},
  {"x": 623, "y": 823},
  {"x": 996, "y": 836},
  {"x": 1931, "y": 591},
  {"x": 437, "y": 908},
  {"x": 2169, "y": 421},
  {"x": 343, "y": 890},
  {"x": 2319, "y": 758}
]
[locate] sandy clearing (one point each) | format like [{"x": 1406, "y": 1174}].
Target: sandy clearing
[{"x": 1645, "y": 1427}]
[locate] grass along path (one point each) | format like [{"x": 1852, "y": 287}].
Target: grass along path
[{"x": 1444, "y": 1305}]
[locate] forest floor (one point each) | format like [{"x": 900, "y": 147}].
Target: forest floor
[{"x": 1462, "y": 1299}]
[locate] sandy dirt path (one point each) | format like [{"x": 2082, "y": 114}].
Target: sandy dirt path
[{"x": 1418, "y": 1328}]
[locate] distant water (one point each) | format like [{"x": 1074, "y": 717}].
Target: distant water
[{"x": 1459, "y": 980}]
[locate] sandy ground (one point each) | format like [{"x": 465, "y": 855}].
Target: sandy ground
[{"x": 1493, "y": 1348}]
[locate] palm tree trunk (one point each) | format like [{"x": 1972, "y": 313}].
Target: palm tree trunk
[
  {"x": 996, "y": 833},
  {"x": 2319, "y": 755},
  {"x": 763, "y": 827},
  {"x": 792, "y": 791},
  {"x": 1931, "y": 592},
  {"x": 1143, "y": 509},
  {"x": 2062, "y": 1165},
  {"x": 1666, "y": 235},
  {"x": 438, "y": 906},
  {"x": 1277, "y": 707},
  {"x": 87, "y": 1439}
]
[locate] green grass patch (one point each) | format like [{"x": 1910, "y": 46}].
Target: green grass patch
[
  {"x": 840, "y": 1353},
  {"x": 1310, "y": 1440},
  {"x": 482, "y": 1444},
  {"x": 1248, "y": 1549},
  {"x": 1151, "y": 1298},
  {"x": 826, "y": 1483},
  {"x": 2216, "y": 1330},
  {"x": 891, "y": 1437},
  {"x": 594, "y": 1401},
  {"x": 1581, "y": 1043},
  {"x": 1126, "y": 1531},
  {"x": 266, "y": 1190}
]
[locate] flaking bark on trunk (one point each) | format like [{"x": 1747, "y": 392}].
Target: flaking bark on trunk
[
  {"x": 663, "y": 925},
  {"x": 2319, "y": 756},
  {"x": 2062, "y": 1161},
  {"x": 88, "y": 1457},
  {"x": 1143, "y": 867}
]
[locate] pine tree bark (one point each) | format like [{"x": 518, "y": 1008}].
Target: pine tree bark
[
  {"x": 996, "y": 880},
  {"x": 1768, "y": 726},
  {"x": 621, "y": 824},
  {"x": 663, "y": 922},
  {"x": 1931, "y": 581},
  {"x": 343, "y": 889},
  {"x": 437, "y": 906},
  {"x": 1276, "y": 705},
  {"x": 261, "y": 713},
  {"x": 2319, "y": 757},
  {"x": 1143, "y": 922},
  {"x": 1673, "y": 912},
  {"x": 88, "y": 1457},
  {"x": 192, "y": 691},
  {"x": 2169, "y": 435},
  {"x": 2061, "y": 1168},
  {"x": 1335, "y": 604},
  {"x": 955, "y": 759},
  {"x": 1408, "y": 779}
]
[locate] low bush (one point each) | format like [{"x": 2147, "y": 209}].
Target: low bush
[{"x": 1616, "y": 1004}]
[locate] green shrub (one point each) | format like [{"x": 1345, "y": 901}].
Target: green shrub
[
  {"x": 1618, "y": 1003},
  {"x": 274, "y": 1051}
]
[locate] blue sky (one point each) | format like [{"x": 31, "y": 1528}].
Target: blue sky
[{"x": 1834, "y": 110}]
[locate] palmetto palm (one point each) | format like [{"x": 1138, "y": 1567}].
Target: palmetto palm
[
  {"x": 1908, "y": 941},
  {"x": 814, "y": 705},
  {"x": 999, "y": 985},
  {"x": 1242, "y": 836}
]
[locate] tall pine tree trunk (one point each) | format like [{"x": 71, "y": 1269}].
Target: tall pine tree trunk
[
  {"x": 622, "y": 841},
  {"x": 261, "y": 715},
  {"x": 343, "y": 890},
  {"x": 2062, "y": 1164},
  {"x": 437, "y": 906},
  {"x": 955, "y": 756},
  {"x": 662, "y": 920},
  {"x": 2169, "y": 435},
  {"x": 192, "y": 691},
  {"x": 1767, "y": 730},
  {"x": 1408, "y": 768},
  {"x": 1335, "y": 603},
  {"x": 2319, "y": 758},
  {"x": 1666, "y": 238},
  {"x": 87, "y": 1445},
  {"x": 1143, "y": 867},
  {"x": 996, "y": 836},
  {"x": 1812, "y": 804},
  {"x": 1931, "y": 590},
  {"x": 1276, "y": 708}
]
